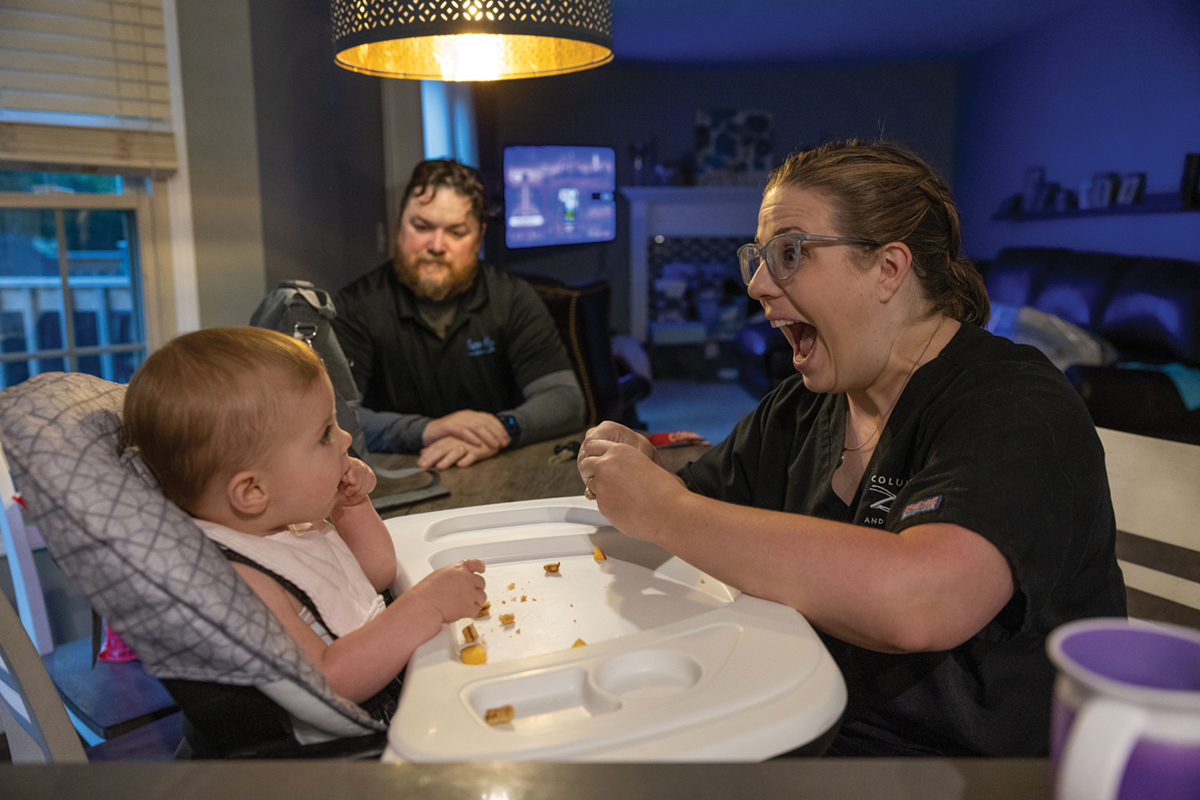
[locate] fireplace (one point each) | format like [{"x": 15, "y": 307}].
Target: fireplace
[{"x": 690, "y": 233}]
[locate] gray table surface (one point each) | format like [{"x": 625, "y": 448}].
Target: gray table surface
[{"x": 852, "y": 779}]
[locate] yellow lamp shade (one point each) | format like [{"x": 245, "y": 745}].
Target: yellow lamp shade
[{"x": 471, "y": 40}]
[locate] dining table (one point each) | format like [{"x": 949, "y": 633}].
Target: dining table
[{"x": 533, "y": 472}]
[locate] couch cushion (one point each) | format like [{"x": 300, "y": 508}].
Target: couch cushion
[
  {"x": 1077, "y": 287},
  {"x": 1154, "y": 314},
  {"x": 1016, "y": 275}
]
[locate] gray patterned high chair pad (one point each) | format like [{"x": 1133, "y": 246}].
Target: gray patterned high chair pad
[{"x": 159, "y": 582}]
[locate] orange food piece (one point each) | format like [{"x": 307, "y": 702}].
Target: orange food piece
[
  {"x": 507, "y": 619},
  {"x": 473, "y": 654},
  {"x": 578, "y": 643},
  {"x": 598, "y": 554}
]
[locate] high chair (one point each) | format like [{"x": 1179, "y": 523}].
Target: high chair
[{"x": 245, "y": 687}]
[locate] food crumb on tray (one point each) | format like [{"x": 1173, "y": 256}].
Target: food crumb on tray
[
  {"x": 552, "y": 569},
  {"x": 579, "y": 643},
  {"x": 598, "y": 554},
  {"x": 473, "y": 654},
  {"x": 484, "y": 610},
  {"x": 507, "y": 619},
  {"x": 498, "y": 716}
]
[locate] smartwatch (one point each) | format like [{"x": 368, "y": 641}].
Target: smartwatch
[{"x": 512, "y": 426}]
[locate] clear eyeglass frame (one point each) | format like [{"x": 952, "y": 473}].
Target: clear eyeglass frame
[{"x": 774, "y": 252}]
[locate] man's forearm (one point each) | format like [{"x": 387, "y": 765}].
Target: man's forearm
[
  {"x": 554, "y": 406},
  {"x": 389, "y": 432}
]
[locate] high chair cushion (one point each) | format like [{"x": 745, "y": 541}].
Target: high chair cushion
[{"x": 160, "y": 583}]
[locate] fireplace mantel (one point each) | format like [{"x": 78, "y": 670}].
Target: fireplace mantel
[{"x": 680, "y": 211}]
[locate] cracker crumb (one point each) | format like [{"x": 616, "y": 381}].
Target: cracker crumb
[
  {"x": 522, "y": 598},
  {"x": 498, "y": 716},
  {"x": 484, "y": 610},
  {"x": 579, "y": 643},
  {"x": 512, "y": 586},
  {"x": 507, "y": 619},
  {"x": 552, "y": 568},
  {"x": 702, "y": 580},
  {"x": 518, "y": 630}
]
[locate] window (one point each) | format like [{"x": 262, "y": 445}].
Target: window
[{"x": 71, "y": 282}]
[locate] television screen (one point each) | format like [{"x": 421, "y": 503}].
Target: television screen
[{"x": 559, "y": 195}]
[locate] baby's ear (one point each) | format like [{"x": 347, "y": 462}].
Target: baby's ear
[{"x": 246, "y": 494}]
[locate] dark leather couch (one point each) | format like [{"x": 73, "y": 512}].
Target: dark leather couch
[{"x": 1147, "y": 308}]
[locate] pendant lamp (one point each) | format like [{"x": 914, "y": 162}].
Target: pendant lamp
[{"x": 471, "y": 40}]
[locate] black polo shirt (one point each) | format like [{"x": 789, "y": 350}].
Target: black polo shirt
[
  {"x": 501, "y": 339},
  {"x": 990, "y": 436}
]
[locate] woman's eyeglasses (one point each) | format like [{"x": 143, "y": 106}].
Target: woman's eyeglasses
[{"x": 783, "y": 254}]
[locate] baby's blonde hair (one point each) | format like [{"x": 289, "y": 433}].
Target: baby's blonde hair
[{"x": 206, "y": 404}]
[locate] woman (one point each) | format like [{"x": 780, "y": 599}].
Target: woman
[{"x": 932, "y": 498}]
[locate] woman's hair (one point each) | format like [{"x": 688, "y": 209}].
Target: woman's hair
[
  {"x": 206, "y": 404},
  {"x": 882, "y": 192},
  {"x": 429, "y": 176}
]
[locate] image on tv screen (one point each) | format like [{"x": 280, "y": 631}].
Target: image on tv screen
[{"x": 556, "y": 194}]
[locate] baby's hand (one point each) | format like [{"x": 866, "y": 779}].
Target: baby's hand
[
  {"x": 357, "y": 483},
  {"x": 456, "y": 591}
]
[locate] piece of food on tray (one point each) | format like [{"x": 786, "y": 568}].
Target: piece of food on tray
[
  {"x": 508, "y": 619},
  {"x": 578, "y": 643},
  {"x": 473, "y": 654},
  {"x": 484, "y": 610},
  {"x": 598, "y": 554},
  {"x": 512, "y": 586},
  {"x": 470, "y": 634},
  {"x": 498, "y": 716},
  {"x": 553, "y": 568}
]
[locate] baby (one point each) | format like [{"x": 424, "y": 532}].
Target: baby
[{"x": 239, "y": 427}]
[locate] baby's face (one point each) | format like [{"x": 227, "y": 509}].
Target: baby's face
[{"x": 309, "y": 458}]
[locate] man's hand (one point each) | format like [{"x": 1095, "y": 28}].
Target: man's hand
[
  {"x": 357, "y": 483},
  {"x": 450, "y": 451},
  {"x": 476, "y": 428}
]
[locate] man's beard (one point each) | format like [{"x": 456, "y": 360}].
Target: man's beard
[{"x": 436, "y": 289}]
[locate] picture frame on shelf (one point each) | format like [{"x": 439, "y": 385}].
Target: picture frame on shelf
[
  {"x": 1031, "y": 189},
  {"x": 1104, "y": 189},
  {"x": 1189, "y": 189},
  {"x": 1133, "y": 189}
]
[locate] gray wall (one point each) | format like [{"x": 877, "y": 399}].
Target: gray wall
[
  {"x": 218, "y": 96},
  {"x": 320, "y": 149},
  {"x": 285, "y": 152},
  {"x": 616, "y": 105}
]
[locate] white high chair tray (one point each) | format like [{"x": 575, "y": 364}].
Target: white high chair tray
[{"x": 675, "y": 666}]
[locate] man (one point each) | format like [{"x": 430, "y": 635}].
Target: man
[{"x": 454, "y": 359}]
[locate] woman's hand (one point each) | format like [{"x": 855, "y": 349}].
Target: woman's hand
[
  {"x": 633, "y": 489},
  {"x": 357, "y": 483}
]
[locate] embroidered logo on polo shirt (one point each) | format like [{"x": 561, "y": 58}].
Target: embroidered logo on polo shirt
[
  {"x": 477, "y": 347},
  {"x": 921, "y": 506}
]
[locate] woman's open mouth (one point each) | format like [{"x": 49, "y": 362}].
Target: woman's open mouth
[{"x": 801, "y": 335}]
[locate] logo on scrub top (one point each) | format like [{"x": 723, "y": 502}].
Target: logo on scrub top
[
  {"x": 921, "y": 506},
  {"x": 481, "y": 347}
]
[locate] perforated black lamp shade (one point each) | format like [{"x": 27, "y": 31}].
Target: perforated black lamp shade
[{"x": 471, "y": 40}]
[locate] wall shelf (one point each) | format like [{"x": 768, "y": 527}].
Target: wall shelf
[{"x": 1158, "y": 203}]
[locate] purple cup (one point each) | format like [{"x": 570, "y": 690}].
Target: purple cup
[{"x": 1125, "y": 721}]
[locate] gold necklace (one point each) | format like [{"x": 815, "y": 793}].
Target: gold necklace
[{"x": 888, "y": 413}]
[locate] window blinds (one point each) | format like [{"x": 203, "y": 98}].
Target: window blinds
[{"x": 85, "y": 82}]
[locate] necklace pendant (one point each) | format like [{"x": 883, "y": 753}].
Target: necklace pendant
[{"x": 842, "y": 458}]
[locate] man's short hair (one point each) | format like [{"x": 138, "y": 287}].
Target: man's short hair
[
  {"x": 429, "y": 176},
  {"x": 205, "y": 405}
]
